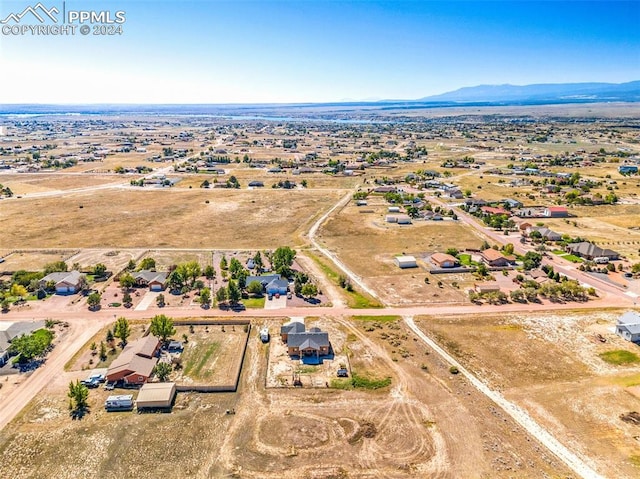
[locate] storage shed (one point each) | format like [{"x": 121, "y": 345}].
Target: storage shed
[
  {"x": 156, "y": 396},
  {"x": 406, "y": 262}
]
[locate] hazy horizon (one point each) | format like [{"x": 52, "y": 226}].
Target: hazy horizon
[{"x": 324, "y": 52}]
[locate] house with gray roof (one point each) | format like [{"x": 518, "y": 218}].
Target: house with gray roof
[
  {"x": 628, "y": 326},
  {"x": 291, "y": 327},
  {"x": 9, "y": 331},
  {"x": 311, "y": 343},
  {"x": 156, "y": 281},
  {"x": 588, "y": 250},
  {"x": 65, "y": 282}
]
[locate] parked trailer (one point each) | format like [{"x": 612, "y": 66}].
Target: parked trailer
[
  {"x": 122, "y": 402},
  {"x": 264, "y": 335}
]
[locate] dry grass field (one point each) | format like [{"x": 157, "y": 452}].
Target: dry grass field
[
  {"x": 42, "y": 182},
  {"x": 33, "y": 260},
  {"x": 536, "y": 359},
  {"x": 368, "y": 246},
  {"x": 114, "y": 260},
  {"x": 163, "y": 218},
  {"x": 165, "y": 258}
]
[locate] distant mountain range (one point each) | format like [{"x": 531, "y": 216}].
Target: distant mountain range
[{"x": 552, "y": 92}]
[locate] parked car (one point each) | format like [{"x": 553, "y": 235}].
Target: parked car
[
  {"x": 289, "y": 295},
  {"x": 343, "y": 373},
  {"x": 93, "y": 381}
]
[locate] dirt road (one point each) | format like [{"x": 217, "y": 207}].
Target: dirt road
[{"x": 518, "y": 414}]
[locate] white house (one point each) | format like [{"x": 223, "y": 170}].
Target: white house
[{"x": 628, "y": 326}]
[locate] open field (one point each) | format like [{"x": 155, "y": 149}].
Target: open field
[
  {"x": 165, "y": 218},
  {"x": 368, "y": 246},
  {"x": 535, "y": 359},
  {"x": 164, "y": 259},
  {"x": 114, "y": 260},
  {"x": 33, "y": 260},
  {"x": 42, "y": 182}
]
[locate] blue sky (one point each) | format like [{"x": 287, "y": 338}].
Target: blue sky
[{"x": 316, "y": 51}]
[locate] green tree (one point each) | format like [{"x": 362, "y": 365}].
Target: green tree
[
  {"x": 453, "y": 252},
  {"x": 18, "y": 291},
  {"x": 482, "y": 270},
  {"x": 235, "y": 267},
  {"x": 5, "y": 305},
  {"x": 93, "y": 349},
  {"x": 309, "y": 290},
  {"x": 126, "y": 281},
  {"x": 160, "y": 300},
  {"x": 221, "y": 295},
  {"x": 162, "y": 327},
  {"x": 147, "y": 264},
  {"x": 99, "y": 269},
  {"x": 205, "y": 297},
  {"x": 55, "y": 267},
  {"x": 234, "y": 292},
  {"x": 122, "y": 330},
  {"x": 257, "y": 260},
  {"x": 103, "y": 351},
  {"x": 635, "y": 268},
  {"x": 30, "y": 346},
  {"x": 78, "y": 395},
  {"x": 163, "y": 371},
  {"x": 109, "y": 338},
  {"x": 209, "y": 272},
  {"x": 255, "y": 288},
  {"x": 223, "y": 263},
  {"x": 127, "y": 300},
  {"x": 508, "y": 249},
  {"x": 93, "y": 300},
  {"x": 282, "y": 260}
]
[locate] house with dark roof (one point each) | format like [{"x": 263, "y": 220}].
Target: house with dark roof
[
  {"x": 628, "y": 326},
  {"x": 303, "y": 343},
  {"x": 135, "y": 364},
  {"x": 65, "y": 282},
  {"x": 156, "y": 281},
  {"x": 590, "y": 251},
  {"x": 545, "y": 233}
]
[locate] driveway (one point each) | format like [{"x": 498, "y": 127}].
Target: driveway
[
  {"x": 276, "y": 303},
  {"x": 149, "y": 298}
]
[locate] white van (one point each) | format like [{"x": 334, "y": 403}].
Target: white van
[{"x": 601, "y": 260}]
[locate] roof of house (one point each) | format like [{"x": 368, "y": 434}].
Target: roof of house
[
  {"x": 402, "y": 259},
  {"x": 590, "y": 249},
  {"x": 278, "y": 283},
  {"x": 292, "y": 327},
  {"x": 630, "y": 328},
  {"x": 71, "y": 277},
  {"x": 9, "y": 331},
  {"x": 309, "y": 339},
  {"x": 442, "y": 257},
  {"x": 488, "y": 286},
  {"x": 557, "y": 209},
  {"x": 495, "y": 211},
  {"x": 137, "y": 357},
  {"x": 630, "y": 317},
  {"x": 264, "y": 280},
  {"x": 492, "y": 254},
  {"x": 151, "y": 276}
]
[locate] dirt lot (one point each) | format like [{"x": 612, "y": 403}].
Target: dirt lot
[
  {"x": 33, "y": 261},
  {"x": 114, "y": 260},
  {"x": 211, "y": 356},
  {"x": 427, "y": 423},
  {"x": 164, "y": 218},
  {"x": 536, "y": 359},
  {"x": 282, "y": 369}
]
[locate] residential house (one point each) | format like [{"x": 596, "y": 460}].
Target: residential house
[
  {"x": 443, "y": 260},
  {"x": 493, "y": 258},
  {"x": 135, "y": 364},
  {"x": 492, "y": 210},
  {"x": 272, "y": 284},
  {"x": 156, "y": 281},
  {"x": 590, "y": 251},
  {"x": 511, "y": 203},
  {"x": 291, "y": 328},
  {"x": 311, "y": 343},
  {"x": 555, "y": 212},
  {"x": 628, "y": 326},
  {"x": 66, "y": 282},
  {"x": 10, "y": 330},
  {"x": 545, "y": 233}
]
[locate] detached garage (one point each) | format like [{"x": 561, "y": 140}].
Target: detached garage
[
  {"x": 156, "y": 396},
  {"x": 406, "y": 262}
]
